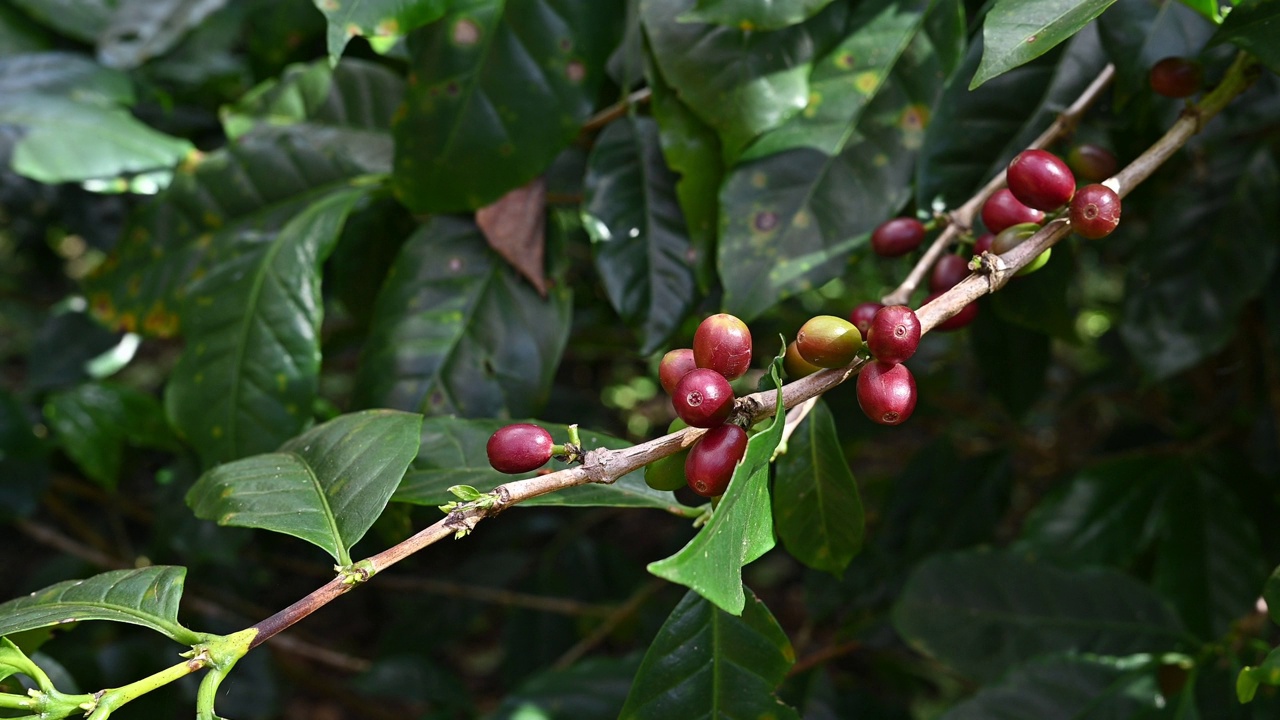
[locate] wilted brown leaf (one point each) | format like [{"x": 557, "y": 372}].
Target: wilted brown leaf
[{"x": 515, "y": 228}]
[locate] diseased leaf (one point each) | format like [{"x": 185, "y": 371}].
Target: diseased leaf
[
  {"x": 1066, "y": 688},
  {"x": 375, "y": 19},
  {"x": 1016, "y": 32},
  {"x": 143, "y": 29},
  {"x": 93, "y": 422},
  {"x": 515, "y": 227},
  {"x": 754, "y": 15}
]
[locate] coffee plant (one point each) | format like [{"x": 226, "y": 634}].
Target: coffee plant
[{"x": 549, "y": 359}]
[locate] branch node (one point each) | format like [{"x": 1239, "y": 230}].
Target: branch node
[
  {"x": 597, "y": 463},
  {"x": 997, "y": 272}
]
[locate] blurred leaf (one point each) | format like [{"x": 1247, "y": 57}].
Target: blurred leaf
[
  {"x": 376, "y": 19},
  {"x": 1251, "y": 677},
  {"x": 80, "y": 19},
  {"x": 1271, "y": 594},
  {"x": 456, "y": 331},
  {"x": 1251, "y": 26},
  {"x": 249, "y": 375},
  {"x": 146, "y": 596},
  {"x": 18, "y": 34},
  {"x": 593, "y": 689},
  {"x": 945, "y": 24},
  {"x": 741, "y": 527},
  {"x": 1012, "y": 361},
  {"x": 753, "y": 15},
  {"x": 496, "y": 91},
  {"x": 143, "y": 29},
  {"x": 708, "y": 663},
  {"x": 637, "y": 231},
  {"x": 94, "y": 421},
  {"x": 64, "y": 75},
  {"x": 1041, "y": 301},
  {"x": 515, "y": 227},
  {"x": 1066, "y": 688},
  {"x": 326, "y": 486},
  {"x": 23, "y": 470},
  {"x": 1206, "y": 255},
  {"x": 815, "y": 498},
  {"x": 63, "y": 349},
  {"x": 453, "y": 453},
  {"x": 983, "y": 613},
  {"x": 1137, "y": 35},
  {"x": 1016, "y": 32}
]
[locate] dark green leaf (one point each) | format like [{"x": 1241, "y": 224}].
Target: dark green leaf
[
  {"x": 496, "y": 91},
  {"x": 1251, "y": 677},
  {"x": 23, "y": 470},
  {"x": 1040, "y": 301},
  {"x": 375, "y": 19},
  {"x": 1252, "y": 26},
  {"x": 1136, "y": 35},
  {"x": 741, "y": 528},
  {"x": 1018, "y": 31},
  {"x": 754, "y": 15},
  {"x": 453, "y": 453},
  {"x": 590, "y": 690},
  {"x": 631, "y": 213},
  {"x": 326, "y": 486},
  {"x": 456, "y": 331},
  {"x": 985, "y": 612},
  {"x": 65, "y": 75},
  {"x": 80, "y": 19},
  {"x": 143, "y": 29},
  {"x": 1066, "y": 688},
  {"x": 65, "y": 348},
  {"x": 1012, "y": 360},
  {"x": 19, "y": 35},
  {"x": 1271, "y": 593},
  {"x": 147, "y": 596},
  {"x": 945, "y": 24},
  {"x": 707, "y": 663},
  {"x": 94, "y": 421},
  {"x": 249, "y": 374},
  {"x": 815, "y": 498}
]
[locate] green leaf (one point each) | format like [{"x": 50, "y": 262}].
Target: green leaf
[
  {"x": 1012, "y": 360},
  {"x": 453, "y": 453},
  {"x": 707, "y": 663},
  {"x": 630, "y": 212},
  {"x": 753, "y": 15},
  {"x": 19, "y": 35},
  {"x": 1271, "y": 593},
  {"x": 593, "y": 689},
  {"x": 1041, "y": 302},
  {"x": 1250, "y": 678},
  {"x": 983, "y": 613},
  {"x": 1066, "y": 688},
  {"x": 68, "y": 345},
  {"x": 80, "y": 19},
  {"x": 326, "y": 486},
  {"x": 456, "y": 331},
  {"x": 65, "y": 75},
  {"x": 1252, "y": 26},
  {"x": 249, "y": 374},
  {"x": 741, "y": 528},
  {"x": 147, "y": 596},
  {"x": 375, "y": 19},
  {"x": 1016, "y": 32},
  {"x": 816, "y": 506},
  {"x": 143, "y": 29},
  {"x": 496, "y": 91},
  {"x": 1137, "y": 36},
  {"x": 94, "y": 421},
  {"x": 23, "y": 468}
]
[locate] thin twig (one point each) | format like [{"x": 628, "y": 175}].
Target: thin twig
[
  {"x": 616, "y": 110},
  {"x": 611, "y": 623},
  {"x": 828, "y": 653},
  {"x": 498, "y": 596}
]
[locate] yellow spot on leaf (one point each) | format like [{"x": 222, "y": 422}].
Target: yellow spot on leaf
[
  {"x": 759, "y": 180},
  {"x": 867, "y": 82},
  {"x": 387, "y": 28},
  {"x": 466, "y": 32},
  {"x": 216, "y": 431}
]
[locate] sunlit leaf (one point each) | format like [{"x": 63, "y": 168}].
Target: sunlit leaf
[
  {"x": 375, "y": 19},
  {"x": 1016, "y": 32}
]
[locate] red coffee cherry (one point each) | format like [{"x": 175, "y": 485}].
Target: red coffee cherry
[
  {"x": 723, "y": 343},
  {"x": 948, "y": 272},
  {"x": 674, "y": 366},
  {"x": 886, "y": 392},
  {"x": 1092, "y": 163},
  {"x": 983, "y": 243},
  {"x": 1002, "y": 209},
  {"x": 703, "y": 398},
  {"x": 1040, "y": 180},
  {"x": 898, "y": 236},
  {"x": 861, "y": 315},
  {"x": 966, "y": 315},
  {"x": 828, "y": 341},
  {"x": 795, "y": 364},
  {"x": 710, "y": 464},
  {"x": 519, "y": 448},
  {"x": 1176, "y": 77},
  {"x": 1095, "y": 211},
  {"x": 894, "y": 334}
]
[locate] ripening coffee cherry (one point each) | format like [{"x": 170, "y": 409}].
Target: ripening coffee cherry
[
  {"x": 898, "y": 236},
  {"x": 966, "y": 315},
  {"x": 675, "y": 365},
  {"x": 862, "y": 314},
  {"x": 723, "y": 343},
  {"x": 1013, "y": 236},
  {"x": 519, "y": 448},
  {"x": 1002, "y": 209},
  {"x": 668, "y": 473},
  {"x": 1176, "y": 77},
  {"x": 948, "y": 272},
  {"x": 886, "y": 392},
  {"x": 983, "y": 243},
  {"x": 894, "y": 334},
  {"x": 1095, "y": 211},
  {"x": 1092, "y": 163},
  {"x": 828, "y": 341},
  {"x": 795, "y": 364},
  {"x": 703, "y": 398},
  {"x": 1040, "y": 180},
  {"x": 710, "y": 464}
]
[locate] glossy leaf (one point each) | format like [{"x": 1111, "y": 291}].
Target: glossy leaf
[
  {"x": 983, "y": 613},
  {"x": 631, "y": 213},
  {"x": 1066, "y": 688},
  {"x": 1251, "y": 26},
  {"x": 326, "y": 486},
  {"x": 453, "y": 453},
  {"x": 740, "y": 529},
  {"x": 496, "y": 90},
  {"x": 249, "y": 374},
  {"x": 815, "y": 499},
  {"x": 1013, "y": 361},
  {"x": 375, "y": 19},
  {"x": 1016, "y": 32},
  {"x": 146, "y": 596},
  {"x": 754, "y": 15},
  {"x": 94, "y": 421},
  {"x": 708, "y": 663},
  {"x": 593, "y": 689},
  {"x": 80, "y": 19},
  {"x": 456, "y": 331},
  {"x": 143, "y": 29}
]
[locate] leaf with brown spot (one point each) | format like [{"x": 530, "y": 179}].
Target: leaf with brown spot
[{"x": 514, "y": 226}]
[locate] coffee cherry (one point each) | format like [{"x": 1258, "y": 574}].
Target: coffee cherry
[
  {"x": 966, "y": 315},
  {"x": 828, "y": 341},
  {"x": 886, "y": 392},
  {"x": 703, "y": 398},
  {"x": 1012, "y": 236},
  {"x": 861, "y": 315},
  {"x": 519, "y": 448},
  {"x": 948, "y": 272},
  {"x": 710, "y": 464},
  {"x": 675, "y": 365},
  {"x": 1002, "y": 209},
  {"x": 668, "y": 473},
  {"x": 898, "y": 236},
  {"x": 894, "y": 334},
  {"x": 1040, "y": 180},
  {"x": 1176, "y": 77},
  {"x": 723, "y": 343},
  {"x": 795, "y": 364},
  {"x": 1092, "y": 163},
  {"x": 983, "y": 243},
  {"x": 1095, "y": 211}
]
